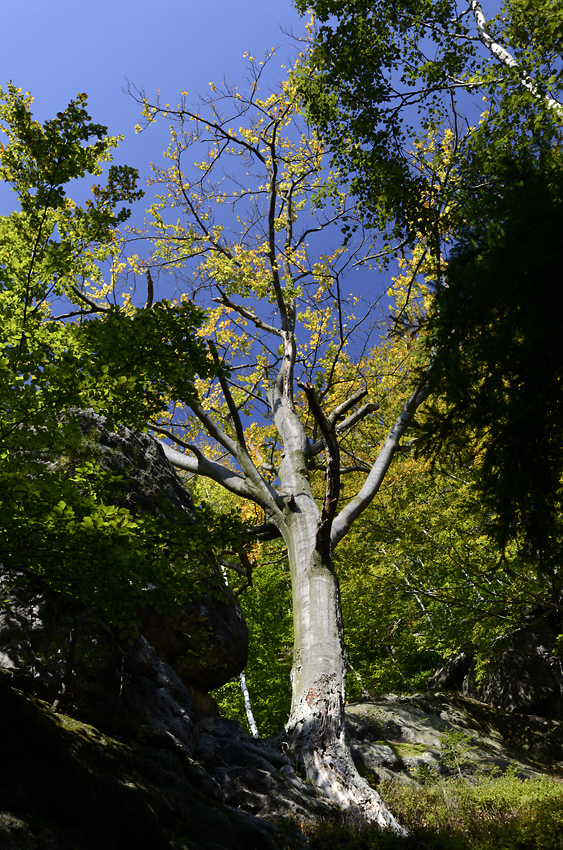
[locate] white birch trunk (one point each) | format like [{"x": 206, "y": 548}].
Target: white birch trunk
[{"x": 248, "y": 706}]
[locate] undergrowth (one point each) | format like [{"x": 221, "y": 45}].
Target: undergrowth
[{"x": 497, "y": 813}]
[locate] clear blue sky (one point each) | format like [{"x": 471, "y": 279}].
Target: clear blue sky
[{"x": 57, "y": 48}]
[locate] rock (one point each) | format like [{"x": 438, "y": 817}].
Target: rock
[
  {"x": 451, "y": 674},
  {"x": 149, "y": 482},
  {"x": 255, "y": 775},
  {"x": 207, "y": 643},
  {"x": 160, "y": 682},
  {"x": 528, "y": 680},
  {"x": 400, "y": 738},
  {"x": 525, "y": 675},
  {"x": 110, "y": 682},
  {"x": 65, "y": 785}
]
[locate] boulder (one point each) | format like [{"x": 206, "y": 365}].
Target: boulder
[
  {"x": 524, "y": 674},
  {"x": 206, "y": 643},
  {"x": 407, "y": 738},
  {"x": 66, "y": 785},
  {"x": 149, "y": 482},
  {"x": 160, "y": 682}
]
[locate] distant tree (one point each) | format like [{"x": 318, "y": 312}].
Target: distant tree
[
  {"x": 381, "y": 75},
  {"x": 496, "y": 331}
]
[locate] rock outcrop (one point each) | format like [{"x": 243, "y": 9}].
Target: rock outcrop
[
  {"x": 162, "y": 680},
  {"x": 405, "y": 738},
  {"x": 66, "y": 785},
  {"x": 525, "y": 675}
]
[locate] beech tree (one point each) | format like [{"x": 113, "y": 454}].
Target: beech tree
[
  {"x": 244, "y": 223},
  {"x": 269, "y": 428}
]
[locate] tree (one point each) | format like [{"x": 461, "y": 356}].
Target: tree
[
  {"x": 498, "y": 363},
  {"x": 380, "y": 72},
  {"x": 62, "y": 346},
  {"x": 266, "y": 605},
  {"x": 243, "y": 224}
]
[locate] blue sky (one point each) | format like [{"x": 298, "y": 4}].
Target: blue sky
[{"x": 59, "y": 48}]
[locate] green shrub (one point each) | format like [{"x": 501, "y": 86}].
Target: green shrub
[{"x": 498, "y": 813}]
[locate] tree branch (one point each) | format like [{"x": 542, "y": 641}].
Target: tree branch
[
  {"x": 233, "y": 409},
  {"x": 97, "y": 307},
  {"x": 506, "y": 58},
  {"x": 200, "y": 465},
  {"x": 342, "y": 427},
  {"x": 150, "y": 291},
  {"x": 247, "y": 314},
  {"x": 332, "y": 477},
  {"x": 353, "y": 509},
  {"x": 343, "y": 408}
]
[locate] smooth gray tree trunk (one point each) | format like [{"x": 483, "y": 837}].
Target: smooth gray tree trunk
[{"x": 316, "y": 731}]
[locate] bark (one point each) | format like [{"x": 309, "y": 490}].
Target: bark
[
  {"x": 316, "y": 732},
  {"x": 248, "y": 706},
  {"x": 503, "y": 56}
]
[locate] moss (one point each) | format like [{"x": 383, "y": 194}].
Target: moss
[
  {"x": 406, "y": 750},
  {"x": 538, "y": 740},
  {"x": 65, "y": 784}
]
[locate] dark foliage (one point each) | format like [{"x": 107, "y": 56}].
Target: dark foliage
[{"x": 498, "y": 348}]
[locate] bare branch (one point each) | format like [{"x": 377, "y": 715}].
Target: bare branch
[
  {"x": 342, "y": 427},
  {"x": 247, "y": 314},
  {"x": 233, "y": 409},
  {"x": 343, "y": 408},
  {"x": 95, "y": 307},
  {"x": 150, "y": 291},
  {"x": 200, "y": 465},
  {"x": 353, "y": 509}
]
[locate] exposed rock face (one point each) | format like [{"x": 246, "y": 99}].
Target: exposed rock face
[
  {"x": 223, "y": 646},
  {"x": 400, "y": 738},
  {"x": 68, "y": 786},
  {"x": 527, "y": 677},
  {"x": 528, "y": 681},
  {"x": 207, "y": 642},
  {"x": 150, "y": 483}
]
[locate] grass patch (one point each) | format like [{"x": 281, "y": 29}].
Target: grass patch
[{"x": 496, "y": 813}]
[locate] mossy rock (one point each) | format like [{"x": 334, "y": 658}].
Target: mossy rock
[{"x": 64, "y": 784}]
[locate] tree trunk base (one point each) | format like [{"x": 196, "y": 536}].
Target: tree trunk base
[{"x": 332, "y": 770}]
